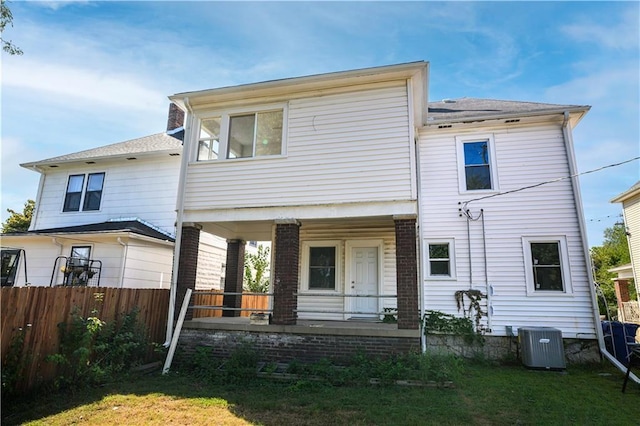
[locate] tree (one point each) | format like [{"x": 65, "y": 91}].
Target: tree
[
  {"x": 613, "y": 252},
  {"x": 6, "y": 18},
  {"x": 256, "y": 268},
  {"x": 19, "y": 222}
]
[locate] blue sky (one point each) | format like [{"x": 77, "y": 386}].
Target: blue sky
[{"x": 95, "y": 73}]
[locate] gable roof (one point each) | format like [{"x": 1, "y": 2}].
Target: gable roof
[
  {"x": 134, "y": 226},
  {"x": 466, "y": 109},
  {"x": 146, "y": 145},
  {"x": 634, "y": 190}
]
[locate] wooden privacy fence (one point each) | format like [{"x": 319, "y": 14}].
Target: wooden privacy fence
[
  {"x": 253, "y": 302},
  {"x": 38, "y": 310}
]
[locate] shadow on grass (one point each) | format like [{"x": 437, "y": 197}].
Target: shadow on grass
[{"x": 486, "y": 394}]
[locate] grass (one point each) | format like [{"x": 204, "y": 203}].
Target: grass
[{"x": 483, "y": 395}]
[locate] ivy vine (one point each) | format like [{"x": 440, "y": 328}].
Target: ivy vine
[{"x": 474, "y": 296}]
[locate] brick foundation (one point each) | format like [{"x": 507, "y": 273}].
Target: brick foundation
[
  {"x": 234, "y": 277},
  {"x": 407, "y": 274},
  {"x": 287, "y": 347}
]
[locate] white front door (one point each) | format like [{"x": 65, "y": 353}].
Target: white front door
[{"x": 364, "y": 281}]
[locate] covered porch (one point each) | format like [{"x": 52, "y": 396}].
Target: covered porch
[{"x": 341, "y": 276}]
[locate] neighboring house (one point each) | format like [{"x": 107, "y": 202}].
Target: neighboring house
[
  {"x": 375, "y": 199},
  {"x": 106, "y": 217},
  {"x": 630, "y": 200}
]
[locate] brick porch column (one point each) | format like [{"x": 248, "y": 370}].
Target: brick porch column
[
  {"x": 285, "y": 282},
  {"x": 407, "y": 273},
  {"x": 622, "y": 295},
  {"x": 234, "y": 276},
  {"x": 187, "y": 266}
]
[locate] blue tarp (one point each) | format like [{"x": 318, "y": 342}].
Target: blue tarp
[{"x": 616, "y": 337}]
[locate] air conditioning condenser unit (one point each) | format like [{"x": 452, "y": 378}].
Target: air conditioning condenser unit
[{"x": 542, "y": 348}]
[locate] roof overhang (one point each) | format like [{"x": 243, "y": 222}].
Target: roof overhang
[
  {"x": 576, "y": 113},
  {"x": 632, "y": 192},
  {"x": 314, "y": 85}
]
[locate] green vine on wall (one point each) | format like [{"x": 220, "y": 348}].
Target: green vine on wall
[
  {"x": 437, "y": 322},
  {"x": 474, "y": 296}
]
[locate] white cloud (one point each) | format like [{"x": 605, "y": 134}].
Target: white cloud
[
  {"x": 118, "y": 90},
  {"x": 622, "y": 35}
]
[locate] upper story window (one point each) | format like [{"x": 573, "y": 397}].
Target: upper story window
[
  {"x": 476, "y": 164},
  {"x": 242, "y": 135},
  {"x": 209, "y": 141},
  {"x": 78, "y": 194}
]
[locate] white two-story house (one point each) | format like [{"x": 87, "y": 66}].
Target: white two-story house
[
  {"x": 377, "y": 201},
  {"x": 106, "y": 217}
]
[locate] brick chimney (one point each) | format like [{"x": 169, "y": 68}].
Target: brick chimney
[{"x": 176, "y": 117}]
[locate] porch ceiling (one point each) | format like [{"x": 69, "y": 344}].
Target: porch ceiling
[{"x": 263, "y": 230}]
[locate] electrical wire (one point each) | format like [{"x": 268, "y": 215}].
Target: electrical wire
[{"x": 548, "y": 182}]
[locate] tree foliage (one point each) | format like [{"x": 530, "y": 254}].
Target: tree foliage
[
  {"x": 613, "y": 252},
  {"x": 6, "y": 18},
  {"x": 256, "y": 270},
  {"x": 19, "y": 222}
]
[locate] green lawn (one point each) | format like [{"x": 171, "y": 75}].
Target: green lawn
[{"x": 482, "y": 395}]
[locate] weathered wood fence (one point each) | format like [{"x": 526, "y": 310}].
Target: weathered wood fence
[
  {"x": 253, "y": 301},
  {"x": 38, "y": 310}
]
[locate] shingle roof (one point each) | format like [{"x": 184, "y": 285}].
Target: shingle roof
[
  {"x": 143, "y": 145},
  {"x": 473, "y": 108},
  {"x": 134, "y": 226}
]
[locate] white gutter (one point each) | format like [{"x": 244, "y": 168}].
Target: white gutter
[
  {"x": 568, "y": 140},
  {"x": 125, "y": 252},
  {"x": 186, "y": 158}
]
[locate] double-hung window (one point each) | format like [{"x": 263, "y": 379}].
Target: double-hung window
[
  {"x": 242, "y": 134},
  {"x": 547, "y": 265},
  {"x": 476, "y": 163},
  {"x": 440, "y": 259},
  {"x": 321, "y": 260},
  {"x": 84, "y": 190}
]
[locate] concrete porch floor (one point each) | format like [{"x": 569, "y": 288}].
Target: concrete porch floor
[{"x": 318, "y": 327}]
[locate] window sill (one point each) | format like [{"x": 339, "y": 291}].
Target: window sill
[{"x": 236, "y": 160}]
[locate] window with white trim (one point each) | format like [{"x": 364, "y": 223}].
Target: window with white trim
[
  {"x": 242, "y": 134},
  {"x": 321, "y": 265},
  {"x": 547, "y": 265},
  {"x": 78, "y": 194},
  {"x": 440, "y": 256},
  {"x": 476, "y": 163}
]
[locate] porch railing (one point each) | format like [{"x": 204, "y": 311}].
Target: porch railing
[
  {"x": 385, "y": 311},
  {"x": 207, "y": 304}
]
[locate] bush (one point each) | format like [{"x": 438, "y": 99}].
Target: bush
[{"x": 94, "y": 352}]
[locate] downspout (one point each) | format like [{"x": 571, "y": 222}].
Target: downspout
[
  {"x": 54, "y": 240},
  {"x": 34, "y": 216},
  {"x": 124, "y": 260},
  {"x": 186, "y": 157},
  {"x": 568, "y": 140},
  {"x": 423, "y": 336},
  {"x": 418, "y": 189}
]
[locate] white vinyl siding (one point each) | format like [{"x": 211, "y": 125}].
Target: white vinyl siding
[
  {"x": 375, "y": 231},
  {"x": 146, "y": 189},
  {"x": 343, "y": 148},
  {"x": 632, "y": 221},
  {"x": 524, "y": 156}
]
